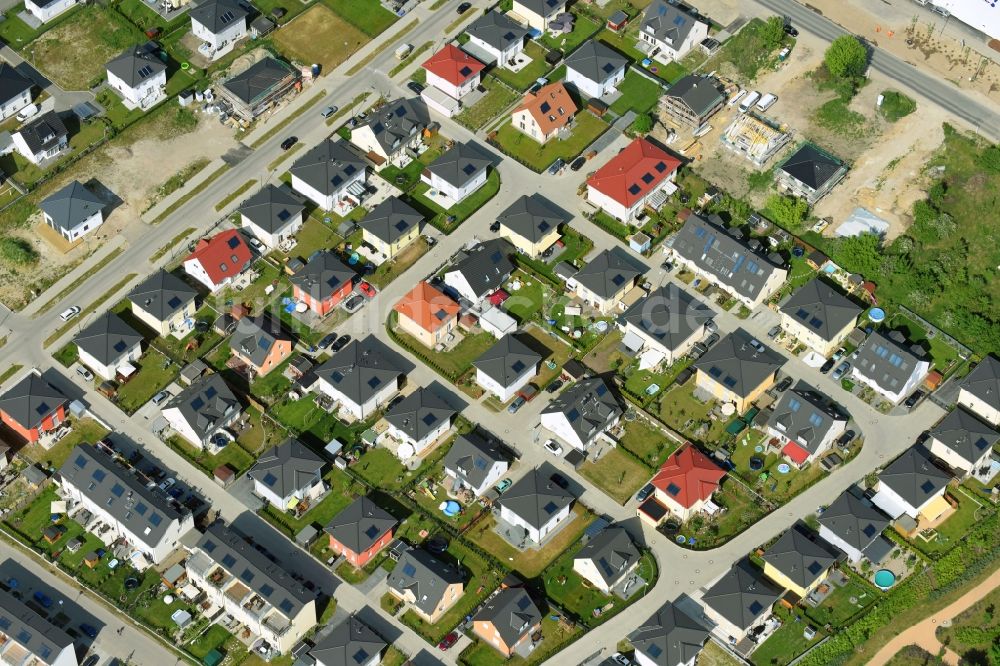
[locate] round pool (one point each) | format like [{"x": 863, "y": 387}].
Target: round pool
[
  {"x": 451, "y": 508},
  {"x": 884, "y": 579}
]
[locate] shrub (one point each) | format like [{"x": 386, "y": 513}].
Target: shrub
[
  {"x": 896, "y": 105},
  {"x": 989, "y": 159},
  {"x": 787, "y": 211},
  {"x": 643, "y": 124},
  {"x": 17, "y": 251}
]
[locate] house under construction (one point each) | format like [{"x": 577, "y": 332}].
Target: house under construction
[{"x": 754, "y": 138}]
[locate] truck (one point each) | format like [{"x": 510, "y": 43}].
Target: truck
[{"x": 403, "y": 51}]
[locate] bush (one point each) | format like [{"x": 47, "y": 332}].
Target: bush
[
  {"x": 896, "y": 105},
  {"x": 773, "y": 31},
  {"x": 846, "y": 57},
  {"x": 17, "y": 251},
  {"x": 787, "y": 211},
  {"x": 643, "y": 124}
]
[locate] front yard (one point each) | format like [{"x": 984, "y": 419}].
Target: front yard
[
  {"x": 584, "y": 28},
  {"x": 618, "y": 474},
  {"x": 457, "y": 360},
  {"x": 448, "y": 220},
  {"x": 586, "y": 129},
  {"x": 769, "y": 481}
]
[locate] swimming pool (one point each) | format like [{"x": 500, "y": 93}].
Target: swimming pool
[{"x": 884, "y": 579}]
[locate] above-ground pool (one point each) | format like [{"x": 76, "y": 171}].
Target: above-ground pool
[
  {"x": 450, "y": 508},
  {"x": 884, "y": 579}
]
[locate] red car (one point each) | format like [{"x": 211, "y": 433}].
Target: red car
[
  {"x": 448, "y": 641},
  {"x": 367, "y": 289}
]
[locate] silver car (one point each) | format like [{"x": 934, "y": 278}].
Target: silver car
[{"x": 840, "y": 371}]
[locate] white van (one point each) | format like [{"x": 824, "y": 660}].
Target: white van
[
  {"x": 737, "y": 97},
  {"x": 749, "y": 101},
  {"x": 27, "y": 112},
  {"x": 767, "y": 101}
]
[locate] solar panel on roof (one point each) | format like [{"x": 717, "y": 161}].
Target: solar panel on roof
[
  {"x": 544, "y": 226},
  {"x": 155, "y": 520},
  {"x": 371, "y": 532},
  {"x": 927, "y": 486},
  {"x": 80, "y": 462},
  {"x": 601, "y": 389},
  {"x": 247, "y": 576},
  {"x": 409, "y": 569},
  {"x": 145, "y": 71},
  {"x": 815, "y": 322},
  {"x": 794, "y": 404},
  {"x": 673, "y": 489},
  {"x": 429, "y": 419},
  {"x": 517, "y": 366},
  {"x": 233, "y": 242},
  {"x": 465, "y": 71},
  {"x": 208, "y": 546},
  {"x": 608, "y": 67},
  {"x": 266, "y": 590},
  {"x": 869, "y": 530},
  {"x": 802, "y": 313},
  {"x": 374, "y": 382},
  {"x": 544, "y": 108},
  {"x": 618, "y": 280},
  {"x": 715, "y": 371},
  {"x": 43, "y": 408},
  {"x": 573, "y": 414},
  {"x": 120, "y": 346},
  {"x": 660, "y": 167},
  {"x": 550, "y": 508},
  {"x": 174, "y": 302},
  {"x": 117, "y": 490},
  {"x": 523, "y": 602},
  {"x": 756, "y": 608},
  {"x": 634, "y": 189},
  {"x": 815, "y": 419},
  {"x": 141, "y": 509},
  {"x": 679, "y": 21},
  {"x": 284, "y": 214},
  {"x": 729, "y": 381},
  {"x": 654, "y": 650},
  {"x": 24, "y": 636},
  {"x": 228, "y": 560},
  {"x": 479, "y": 463},
  {"x": 4, "y": 622},
  {"x": 647, "y": 178},
  {"x": 286, "y": 606},
  {"x": 469, "y": 169},
  {"x": 269, "y": 479},
  {"x": 401, "y": 225},
  {"x": 361, "y": 656},
  {"x": 227, "y": 17}
]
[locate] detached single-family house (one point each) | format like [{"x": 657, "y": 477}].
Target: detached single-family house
[
  {"x": 219, "y": 24},
  {"x": 805, "y": 423},
  {"x": 810, "y": 173},
  {"x": 693, "y": 100},
  {"x": 738, "y": 369},
  {"x": 426, "y": 584},
  {"x": 390, "y": 228},
  {"x": 475, "y": 462},
  {"x": 642, "y": 174},
  {"x": 855, "y": 526},
  {"x": 139, "y": 75},
  {"x": 219, "y": 260},
  {"x": 669, "y": 31},
  {"x": 887, "y": 367},
  {"x": 107, "y": 344},
  {"x": 288, "y": 474},
  {"x": 605, "y": 280},
  {"x": 418, "y": 420},
  {"x": 507, "y": 621},
  {"x": 15, "y": 91},
  {"x": 686, "y": 482},
  {"x": 203, "y": 408},
  {"x": 392, "y": 129},
  {"x": 46, "y": 10},
  {"x": 362, "y": 376},
  {"x": 427, "y": 314},
  {"x": 670, "y": 637},
  {"x": 257, "y": 89},
  {"x": 495, "y": 38},
  {"x": 273, "y": 215},
  {"x": 532, "y": 223},
  {"x": 33, "y": 407},
  {"x": 31, "y": 638},
  {"x": 663, "y": 327},
  {"x": 913, "y": 485},
  {"x": 259, "y": 344},
  {"x": 979, "y": 392},
  {"x": 360, "y": 531},
  {"x": 538, "y": 14},
  {"x": 323, "y": 282},
  {"x": 799, "y": 560},
  {"x": 581, "y": 414},
  {"x": 534, "y": 507},
  {"x": 165, "y": 303},
  {"x": 350, "y": 643},
  {"x": 819, "y": 316},
  {"x": 545, "y": 113},
  {"x": 330, "y": 175},
  {"x": 42, "y": 139},
  {"x": 453, "y": 71},
  {"x": 73, "y": 211},
  {"x": 459, "y": 172},
  {"x": 506, "y": 367},
  {"x": 595, "y": 69},
  {"x": 738, "y": 602},
  {"x": 964, "y": 442},
  {"x": 479, "y": 271},
  {"x": 607, "y": 559}
]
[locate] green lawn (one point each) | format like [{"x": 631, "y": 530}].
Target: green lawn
[
  {"x": 647, "y": 442},
  {"x": 955, "y": 528},
  {"x": 523, "y": 79},
  {"x": 213, "y": 638},
  {"x": 684, "y": 413},
  {"x": 639, "y": 94},
  {"x": 943, "y": 355},
  {"x": 576, "y": 246},
  {"x": 497, "y": 99},
  {"x": 639, "y": 381},
  {"x": 370, "y": 18},
  {"x": 555, "y": 637},
  {"x": 527, "y": 301},
  {"x": 342, "y": 491},
  {"x": 302, "y": 416},
  {"x": 392, "y": 269},
  {"x": 156, "y": 371},
  {"x": 611, "y": 225},
  {"x": 85, "y": 431},
  {"x": 742, "y": 511},
  {"x": 382, "y": 469},
  {"x": 576, "y": 595},
  {"x": 618, "y": 474},
  {"x": 233, "y": 455},
  {"x": 584, "y": 28},
  {"x": 555, "y": 350},
  {"x": 456, "y": 361},
  {"x": 786, "y": 643},
  {"x": 409, "y": 176},
  {"x": 449, "y": 220},
  {"x": 837, "y": 608},
  {"x": 67, "y": 355},
  {"x": 539, "y": 156},
  {"x": 777, "y": 487}
]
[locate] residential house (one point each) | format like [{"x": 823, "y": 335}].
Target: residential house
[
  {"x": 810, "y": 173},
  {"x": 640, "y": 175},
  {"x": 260, "y": 345},
  {"x": 538, "y": 14},
  {"x": 855, "y": 526},
  {"x": 73, "y": 211},
  {"x": 805, "y": 423},
  {"x": 605, "y": 280},
  {"x": 362, "y": 376},
  {"x": 46, "y": 10},
  {"x": 28, "y": 638},
  {"x": 979, "y": 392},
  {"x": 165, "y": 303},
  {"x": 664, "y": 326},
  {"x": 799, "y": 560},
  {"x": 220, "y": 24},
  {"x": 670, "y": 637},
  {"x": 495, "y": 38},
  {"x": 258, "y": 89},
  {"x": 139, "y": 75},
  {"x": 257, "y": 592},
  {"x": 201, "y": 409},
  {"x": 323, "y": 282},
  {"x": 350, "y": 643},
  {"x": 360, "y": 531},
  {"x": 272, "y": 214},
  {"x": 581, "y": 414},
  {"x": 686, "y": 481},
  {"x": 595, "y": 69},
  {"x": 475, "y": 462},
  {"x": 964, "y": 442},
  {"x": 607, "y": 560},
  {"x": 330, "y": 175},
  {"x": 429, "y": 586},
  {"x": 534, "y": 507},
  {"x": 507, "y": 620},
  {"x": 390, "y": 228},
  {"x": 693, "y": 100},
  {"x": 130, "y": 505},
  {"x": 459, "y": 172},
  {"x": 819, "y": 316},
  {"x": 532, "y": 224},
  {"x": 545, "y": 113},
  {"x": 738, "y": 602},
  {"x": 726, "y": 257},
  {"x": 418, "y": 420},
  {"x": 913, "y": 485},
  {"x": 889, "y": 368},
  {"x": 738, "y": 369},
  {"x": 391, "y": 130},
  {"x": 288, "y": 474},
  {"x": 15, "y": 91},
  {"x": 669, "y": 31},
  {"x": 453, "y": 71},
  {"x": 479, "y": 271},
  {"x": 219, "y": 260},
  {"x": 427, "y": 314},
  {"x": 33, "y": 407},
  {"x": 506, "y": 367},
  {"x": 107, "y": 344},
  {"x": 41, "y": 139}
]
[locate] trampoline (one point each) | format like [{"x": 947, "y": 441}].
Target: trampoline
[{"x": 756, "y": 463}]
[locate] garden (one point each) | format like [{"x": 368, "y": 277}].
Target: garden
[
  {"x": 638, "y": 94},
  {"x": 154, "y": 372},
  {"x": 556, "y": 635},
  {"x": 523, "y": 79},
  {"x": 647, "y": 442},
  {"x": 618, "y": 474},
  {"x": 536, "y": 156},
  {"x": 498, "y": 98},
  {"x": 342, "y": 491}
]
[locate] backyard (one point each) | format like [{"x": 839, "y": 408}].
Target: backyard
[
  {"x": 155, "y": 372},
  {"x": 526, "y": 301},
  {"x": 311, "y": 42},
  {"x": 647, "y": 442},
  {"x": 618, "y": 474},
  {"x": 406, "y": 178},
  {"x": 555, "y": 634},
  {"x": 233, "y": 455},
  {"x": 585, "y": 130},
  {"x": 85, "y": 431},
  {"x": 303, "y": 417},
  {"x": 556, "y": 353},
  {"x": 639, "y": 94},
  {"x": 770, "y": 481},
  {"x": 448, "y": 220},
  {"x": 947, "y": 535},
  {"x": 392, "y": 269},
  {"x": 498, "y": 98},
  {"x": 740, "y": 510},
  {"x": 454, "y": 362},
  {"x": 785, "y": 644},
  {"x": 647, "y": 384},
  {"x": 341, "y": 493},
  {"x": 584, "y": 28},
  {"x": 523, "y": 79},
  {"x": 683, "y": 412},
  {"x": 843, "y": 603}
]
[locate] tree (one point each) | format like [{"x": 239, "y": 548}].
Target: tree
[
  {"x": 773, "y": 31},
  {"x": 643, "y": 124},
  {"x": 846, "y": 57},
  {"x": 789, "y": 212},
  {"x": 859, "y": 254}
]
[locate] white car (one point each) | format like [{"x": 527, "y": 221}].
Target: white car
[
  {"x": 69, "y": 313},
  {"x": 553, "y": 448},
  {"x": 257, "y": 245},
  {"x": 621, "y": 659}
]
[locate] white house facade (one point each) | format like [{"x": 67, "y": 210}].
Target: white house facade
[
  {"x": 218, "y": 44},
  {"x": 535, "y": 534},
  {"x": 359, "y": 411},
  {"x": 505, "y": 393},
  {"x": 455, "y": 193},
  {"x": 46, "y": 11}
]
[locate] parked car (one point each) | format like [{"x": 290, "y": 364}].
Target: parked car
[
  {"x": 340, "y": 343},
  {"x": 367, "y": 289},
  {"x": 557, "y": 166},
  {"x": 495, "y": 227},
  {"x": 42, "y": 599},
  {"x": 517, "y": 404},
  {"x": 289, "y": 142},
  {"x": 329, "y": 111},
  {"x": 914, "y": 399},
  {"x": 790, "y": 30},
  {"x": 758, "y": 345},
  {"x": 92, "y": 660},
  {"x": 710, "y": 340},
  {"x": 825, "y": 368},
  {"x": 784, "y": 384},
  {"x": 839, "y": 354},
  {"x": 502, "y": 487},
  {"x": 326, "y": 340},
  {"x": 160, "y": 397},
  {"x": 257, "y": 245},
  {"x": 448, "y": 641},
  {"x": 463, "y": 7},
  {"x": 554, "y": 386},
  {"x": 840, "y": 371},
  {"x": 551, "y": 446},
  {"x": 354, "y": 303},
  {"x": 620, "y": 659},
  {"x": 88, "y": 630},
  {"x": 415, "y": 87},
  {"x": 711, "y": 326},
  {"x": 27, "y": 112},
  {"x": 697, "y": 351},
  {"x": 69, "y": 312},
  {"x": 644, "y": 492},
  {"x": 773, "y": 333},
  {"x": 578, "y": 163},
  {"x": 846, "y": 438},
  {"x": 85, "y": 373}
]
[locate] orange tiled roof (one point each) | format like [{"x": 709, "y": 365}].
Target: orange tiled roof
[
  {"x": 429, "y": 308},
  {"x": 551, "y": 107}
]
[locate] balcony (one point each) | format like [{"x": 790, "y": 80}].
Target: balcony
[
  {"x": 277, "y": 623},
  {"x": 237, "y": 593}
]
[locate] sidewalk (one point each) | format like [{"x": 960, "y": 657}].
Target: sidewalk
[{"x": 73, "y": 279}]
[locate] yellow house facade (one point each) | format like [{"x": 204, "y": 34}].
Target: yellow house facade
[
  {"x": 738, "y": 369},
  {"x": 810, "y": 338},
  {"x": 723, "y": 394},
  {"x": 393, "y": 248},
  {"x": 390, "y": 227},
  {"x": 526, "y": 245}
]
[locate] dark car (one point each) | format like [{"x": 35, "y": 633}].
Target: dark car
[
  {"x": 340, "y": 343},
  {"x": 448, "y": 641},
  {"x": 554, "y": 386},
  {"x": 464, "y": 7},
  {"x": 289, "y": 142},
  {"x": 495, "y": 227},
  {"x": 327, "y": 340},
  {"x": 88, "y": 630},
  {"x": 578, "y": 163},
  {"x": 784, "y": 384},
  {"x": 92, "y": 660},
  {"x": 559, "y": 480},
  {"x": 913, "y": 399},
  {"x": 415, "y": 87},
  {"x": 644, "y": 492},
  {"x": 846, "y": 438},
  {"x": 790, "y": 30},
  {"x": 826, "y": 367}
]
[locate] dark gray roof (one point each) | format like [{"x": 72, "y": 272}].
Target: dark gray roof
[
  {"x": 272, "y": 208},
  {"x": 609, "y": 271},
  {"x": 420, "y": 413},
  {"x": 914, "y": 476},
  {"x": 812, "y": 166},
  {"x": 612, "y": 553},
  {"x": 485, "y": 266},
  {"x": 146, "y": 512},
  {"x": 350, "y": 643},
  {"x": 984, "y": 381},
  {"x": 391, "y": 219},
  {"x": 965, "y": 434},
  {"x": 31, "y": 400},
  {"x": 853, "y": 518},
  {"x": 323, "y": 275},
  {"x": 801, "y": 555},
  {"x": 44, "y": 132},
  {"x": 536, "y": 498},
  {"x": 205, "y": 404},
  {"x": 362, "y": 369},
  {"x": 885, "y": 362},
  {"x": 136, "y": 64},
  {"x": 588, "y": 405},
  {"x": 254, "y": 337},
  {"x": 30, "y": 630},
  {"x": 162, "y": 294},
  {"x": 735, "y": 364},
  {"x": 394, "y": 123},
  {"x": 472, "y": 456},
  {"x": 670, "y": 637},
  {"x": 360, "y": 525},
  {"x": 71, "y": 205},
  {"x": 729, "y": 259},
  {"x": 287, "y": 468},
  {"x": 700, "y": 93},
  {"x": 108, "y": 338},
  {"x": 542, "y": 8},
  {"x": 670, "y": 315},
  {"x": 821, "y": 308},
  {"x": 259, "y": 79},
  {"x": 533, "y": 217},
  {"x": 328, "y": 166},
  {"x": 425, "y": 576},
  {"x": 595, "y": 61},
  {"x": 461, "y": 164},
  {"x": 512, "y": 612},
  {"x": 669, "y": 23},
  {"x": 804, "y": 416},
  {"x": 496, "y": 29},
  {"x": 12, "y": 83},
  {"x": 218, "y": 15},
  {"x": 742, "y": 595},
  {"x": 507, "y": 360}
]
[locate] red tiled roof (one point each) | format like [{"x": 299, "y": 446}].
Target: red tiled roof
[
  {"x": 224, "y": 255},
  {"x": 795, "y": 453},
  {"x": 453, "y": 65},
  {"x": 429, "y": 308},
  {"x": 634, "y": 172},
  {"x": 688, "y": 476}
]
